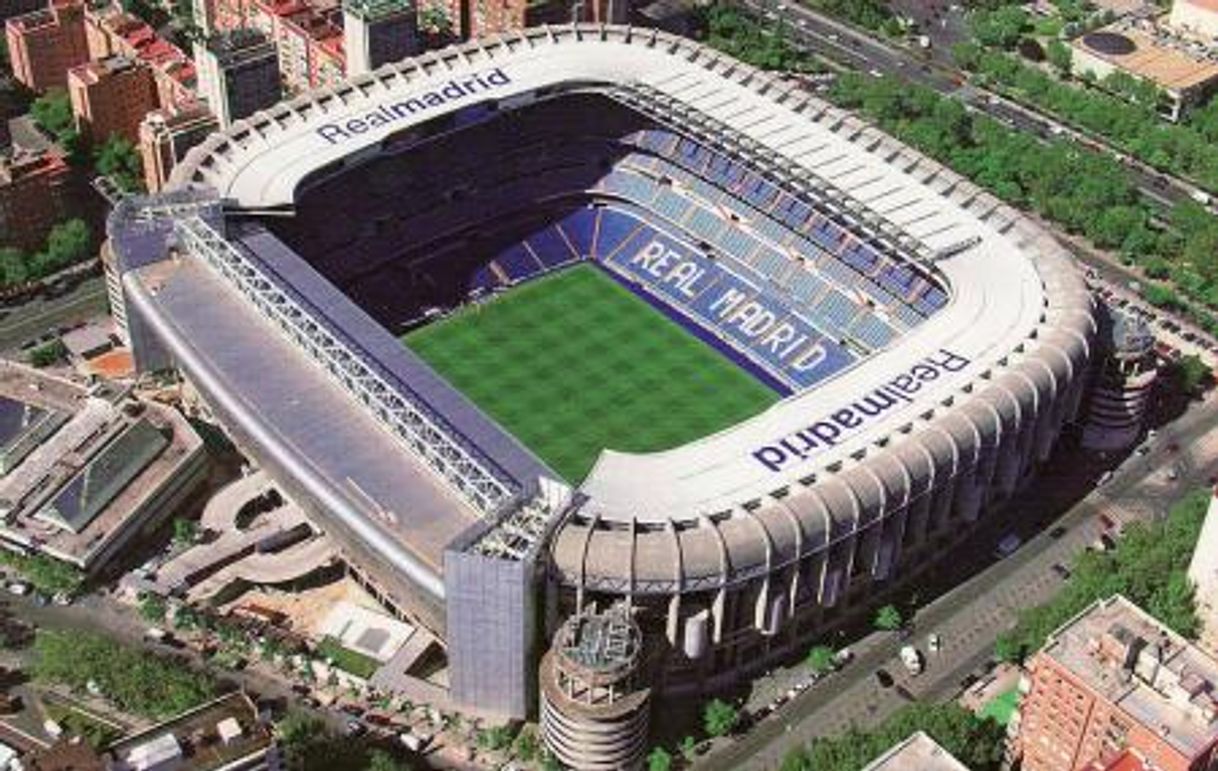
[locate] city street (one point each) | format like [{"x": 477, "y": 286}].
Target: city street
[
  {"x": 100, "y": 614},
  {"x": 37, "y": 317},
  {"x": 970, "y": 617},
  {"x": 863, "y": 52}
]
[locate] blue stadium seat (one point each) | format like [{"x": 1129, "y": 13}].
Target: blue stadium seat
[
  {"x": 873, "y": 332},
  {"x": 861, "y": 258},
  {"x": 517, "y": 263},
  {"x": 935, "y": 297},
  {"x": 580, "y": 229},
  {"x": 549, "y": 246},
  {"x": 615, "y": 227},
  {"x": 837, "y": 309},
  {"x": 483, "y": 280}
]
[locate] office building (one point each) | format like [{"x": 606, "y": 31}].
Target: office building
[
  {"x": 11, "y": 8},
  {"x": 114, "y": 32},
  {"x": 1203, "y": 573},
  {"x": 1195, "y": 17},
  {"x": 377, "y": 32},
  {"x": 238, "y": 74},
  {"x": 45, "y": 44},
  {"x": 33, "y": 193},
  {"x": 166, "y": 135},
  {"x": 111, "y": 97},
  {"x": 1112, "y": 680}
]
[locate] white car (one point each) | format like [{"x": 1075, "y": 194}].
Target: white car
[{"x": 19, "y": 588}]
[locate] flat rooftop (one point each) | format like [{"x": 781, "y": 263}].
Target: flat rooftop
[
  {"x": 212, "y": 736},
  {"x": 79, "y": 486},
  {"x": 917, "y": 753},
  {"x": 1153, "y": 674},
  {"x": 1140, "y": 54},
  {"x": 332, "y": 441}
]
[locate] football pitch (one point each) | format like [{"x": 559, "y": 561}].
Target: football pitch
[{"x": 574, "y": 363}]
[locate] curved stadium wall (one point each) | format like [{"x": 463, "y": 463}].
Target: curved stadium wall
[{"x": 726, "y": 568}]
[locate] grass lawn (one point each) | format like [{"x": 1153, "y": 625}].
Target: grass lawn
[
  {"x": 346, "y": 659},
  {"x": 574, "y": 363},
  {"x": 1002, "y": 706}
]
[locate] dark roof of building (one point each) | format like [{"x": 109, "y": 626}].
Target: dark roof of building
[
  {"x": 1111, "y": 43},
  {"x": 92, "y": 489}
]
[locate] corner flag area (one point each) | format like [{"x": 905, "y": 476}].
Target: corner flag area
[{"x": 574, "y": 363}]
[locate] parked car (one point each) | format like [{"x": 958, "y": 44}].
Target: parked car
[
  {"x": 1009, "y": 544},
  {"x": 911, "y": 657},
  {"x": 883, "y": 678},
  {"x": 19, "y": 588}
]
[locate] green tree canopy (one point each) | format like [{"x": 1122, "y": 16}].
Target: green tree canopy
[
  {"x": 1149, "y": 566},
  {"x": 14, "y": 266},
  {"x": 118, "y": 159},
  {"x": 53, "y": 112},
  {"x": 1001, "y": 27},
  {"x": 888, "y": 619},
  {"x": 659, "y": 759},
  {"x": 977, "y": 742},
  {"x": 719, "y": 717},
  {"x": 130, "y": 678},
  {"x": 820, "y": 659}
]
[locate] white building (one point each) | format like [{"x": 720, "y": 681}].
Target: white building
[
  {"x": 1195, "y": 17},
  {"x": 1203, "y": 572}
]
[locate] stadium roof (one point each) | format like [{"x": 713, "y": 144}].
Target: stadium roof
[{"x": 1012, "y": 285}]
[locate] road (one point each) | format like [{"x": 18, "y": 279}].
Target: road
[
  {"x": 100, "y": 614},
  {"x": 971, "y": 616},
  {"x": 858, "y": 50},
  {"x": 34, "y": 318}
]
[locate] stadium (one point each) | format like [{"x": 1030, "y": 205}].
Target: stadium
[{"x": 589, "y": 317}]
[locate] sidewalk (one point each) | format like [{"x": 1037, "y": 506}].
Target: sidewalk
[{"x": 970, "y": 617}]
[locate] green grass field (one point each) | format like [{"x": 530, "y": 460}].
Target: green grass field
[{"x": 574, "y": 363}]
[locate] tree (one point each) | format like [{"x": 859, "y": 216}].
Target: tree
[
  {"x": 53, "y": 112},
  {"x": 434, "y": 19},
  {"x": 1149, "y": 566},
  {"x": 118, "y": 159},
  {"x": 185, "y": 531},
  {"x": 48, "y": 354},
  {"x": 688, "y": 748},
  {"x": 999, "y": 28},
  {"x": 379, "y": 760},
  {"x": 48, "y": 575},
  {"x": 152, "y": 608},
  {"x": 14, "y": 266},
  {"x": 719, "y": 717},
  {"x": 888, "y": 619},
  {"x": 67, "y": 244},
  {"x": 131, "y": 678},
  {"x": 495, "y": 738},
  {"x": 526, "y": 745},
  {"x": 1191, "y": 375},
  {"x": 1059, "y": 57},
  {"x": 977, "y": 742},
  {"x": 659, "y": 759},
  {"x": 549, "y": 762},
  {"x": 820, "y": 659}
]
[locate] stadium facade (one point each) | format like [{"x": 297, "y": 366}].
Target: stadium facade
[{"x": 929, "y": 342}]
